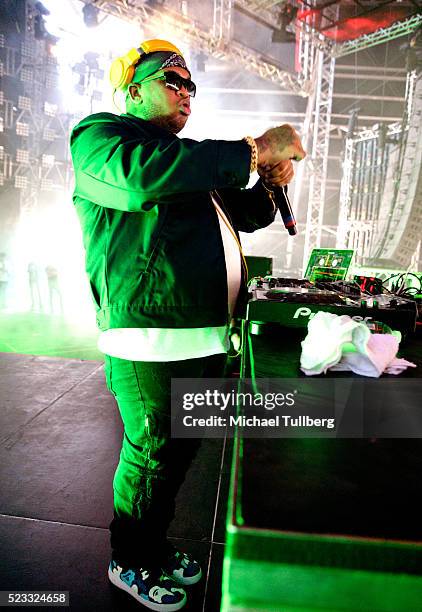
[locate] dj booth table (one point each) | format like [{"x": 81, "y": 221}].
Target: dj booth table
[{"x": 322, "y": 524}]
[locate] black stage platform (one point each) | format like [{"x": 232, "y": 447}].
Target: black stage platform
[
  {"x": 59, "y": 443},
  {"x": 323, "y": 524}
]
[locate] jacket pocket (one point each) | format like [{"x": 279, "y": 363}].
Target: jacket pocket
[{"x": 154, "y": 251}]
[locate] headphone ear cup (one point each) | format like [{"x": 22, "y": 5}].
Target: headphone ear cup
[
  {"x": 118, "y": 72},
  {"x": 122, "y": 69},
  {"x": 129, "y": 74}
]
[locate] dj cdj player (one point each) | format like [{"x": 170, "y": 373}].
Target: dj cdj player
[{"x": 293, "y": 302}]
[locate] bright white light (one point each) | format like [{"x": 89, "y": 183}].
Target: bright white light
[
  {"x": 24, "y": 103},
  {"x": 22, "y": 128},
  {"x": 22, "y": 156},
  {"x": 112, "y": 38},
  {"x": 21, "y": 182},
  {"x": 47, "y": 160},
  {"x": 50, "y": 109},
  {"x": 52, "y": 236},
  {"x": 49, "y": 134}
]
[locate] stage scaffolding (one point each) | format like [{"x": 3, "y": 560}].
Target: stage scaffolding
[
  {"x": 34, "y": 156},
  {"x": 313, "y": 80},
  {"x": 381, "y": 209}
]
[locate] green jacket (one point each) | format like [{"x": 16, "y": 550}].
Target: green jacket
[{"x": 154, "y": 253}]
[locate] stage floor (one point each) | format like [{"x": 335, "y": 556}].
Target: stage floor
[
  {"x": 38, "y": 333},
  {"x": 59, "y": 445}
]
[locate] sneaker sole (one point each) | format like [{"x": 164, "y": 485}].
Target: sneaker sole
[
  {"x": 114, "y": 579},
  {"x": 186, "y": 581}
]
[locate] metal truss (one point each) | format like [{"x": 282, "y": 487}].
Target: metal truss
[
  {"x": 265, "y": 5},
  {"x": 267, "y": 12},
  {"x": 200, "y": 39},
  {"x": 306, "y": 59},
  {"x": 28, "y": 161},
  {"x": 400, "y": 28},
  {"x": 216, "y": 41},
  {"x": 318, "y": 65},
  {"x": 315, "y": 79},
  {"x": 222, "y": 21},
  {"x": 317, "y": 164}
]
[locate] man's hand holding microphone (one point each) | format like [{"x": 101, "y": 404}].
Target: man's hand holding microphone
[{"x": 277, "y": 148}]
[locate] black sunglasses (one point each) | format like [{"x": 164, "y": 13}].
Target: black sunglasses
[{"x": 173, "y": 80}]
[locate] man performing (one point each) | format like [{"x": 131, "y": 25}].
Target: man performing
[{"x": 160, "y": 218}]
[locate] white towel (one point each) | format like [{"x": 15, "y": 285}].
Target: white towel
[{"x": 340, "y": 343}]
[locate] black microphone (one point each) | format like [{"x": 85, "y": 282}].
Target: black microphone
[{"x": 281, "y": 200}]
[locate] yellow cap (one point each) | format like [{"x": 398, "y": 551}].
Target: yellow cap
[
  {"x": 122, "y": 69},
  {"x": 155, "y": 44}
]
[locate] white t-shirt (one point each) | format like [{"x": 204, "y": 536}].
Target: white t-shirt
[{"x": 170, "y": 344}]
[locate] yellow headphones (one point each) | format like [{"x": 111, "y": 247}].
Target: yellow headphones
[{"x": 123, "y": 68}]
